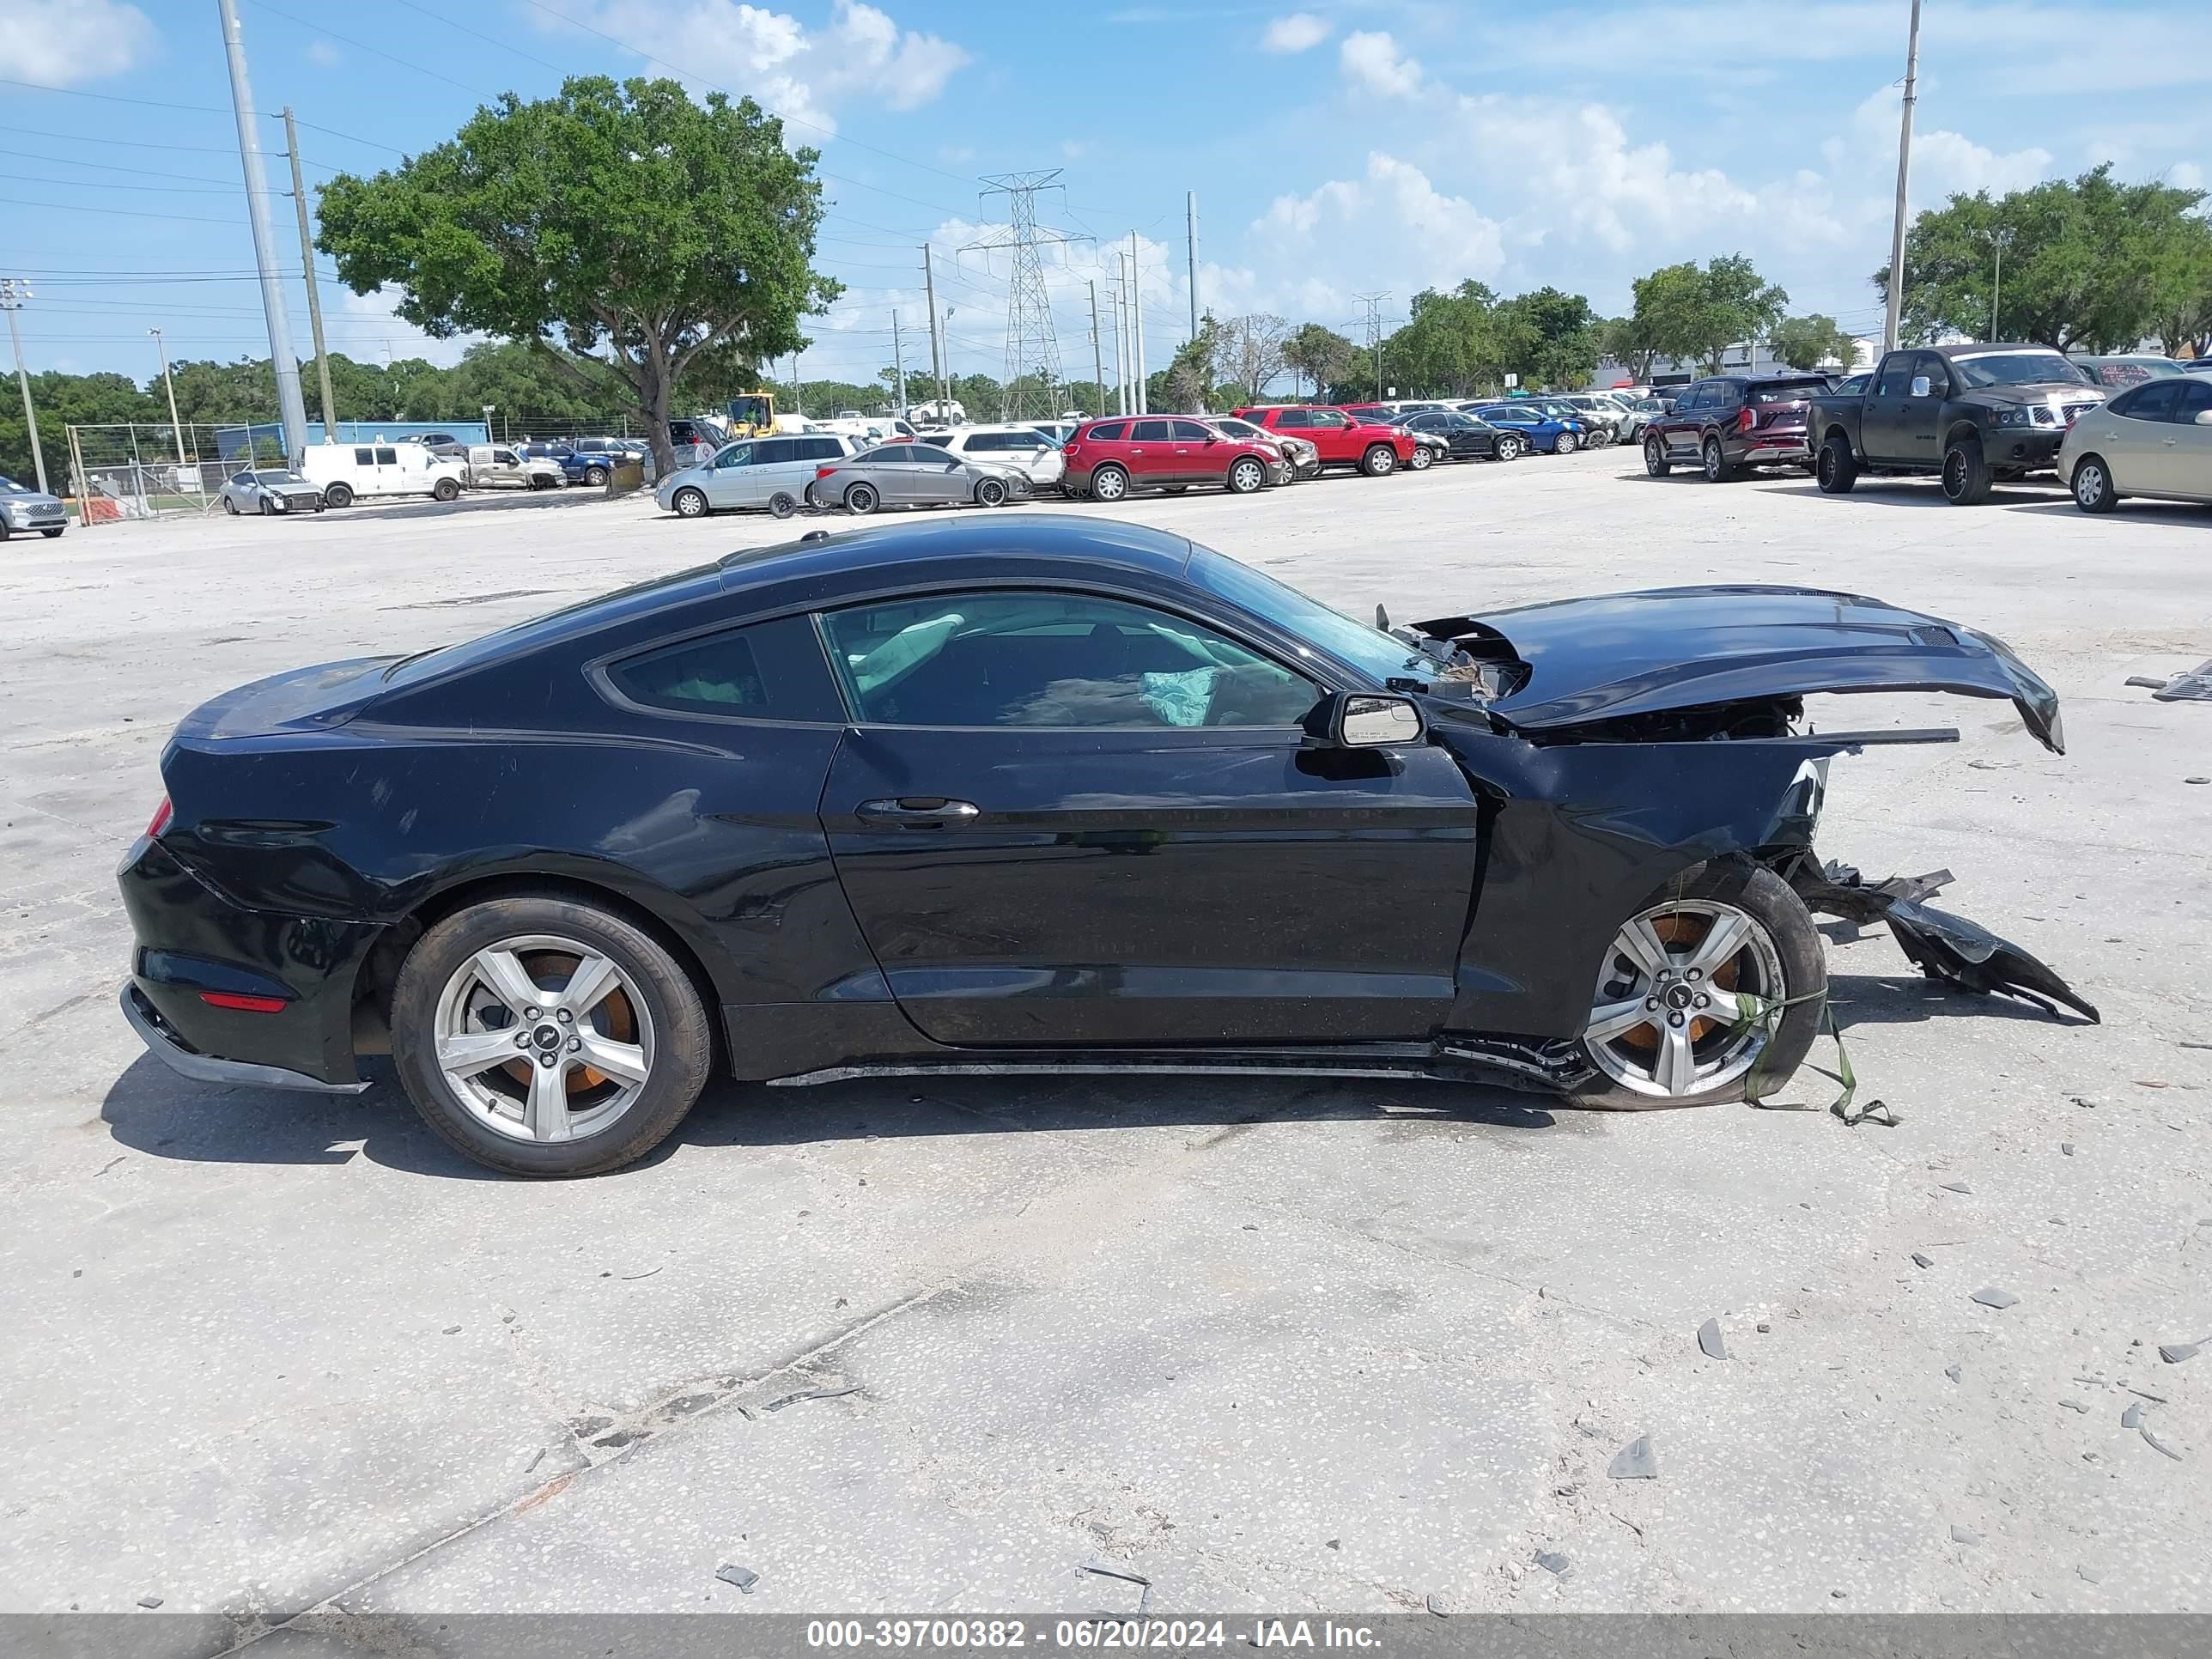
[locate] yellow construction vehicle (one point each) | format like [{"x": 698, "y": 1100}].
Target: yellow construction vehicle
[{"x": 752, "y": 414}]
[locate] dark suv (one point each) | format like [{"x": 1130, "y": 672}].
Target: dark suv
[{"x": 1732, "y": 421}]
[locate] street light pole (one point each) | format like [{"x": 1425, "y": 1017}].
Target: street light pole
[
  {"x": 2000, "y": 240},
  {"x": 1904, "y": 173},
  {"x": 176, "y": 426},
  {"x": 13, "y": 293},
  {"x": 291, "y": 408}
]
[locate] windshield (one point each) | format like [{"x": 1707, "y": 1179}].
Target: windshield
[
  {"x": 2017, "y": 368},
  {"x": 1368, "y": 649},
  {"x": 2132, "y": 371},
  {"x": 1794, "y": 392},
  {"x": 279, "y": 475}
]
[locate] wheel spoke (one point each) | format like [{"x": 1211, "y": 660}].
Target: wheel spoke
[
  {"x": 1642, "y": 945},
  {"x": 1676, "y": 1069},
  {"x": 1736, "y": 1007},
  {"x": 464, "y": 1053},
  {"x": 1615, "y": 1020},
  {"x": 546, "y": 1117},
  {"x": 622, "y": 1060},
  {"x": 1721, "y": 941},
  {"x": 502, "y": 974},
  {"x": 594, "y": 977}
]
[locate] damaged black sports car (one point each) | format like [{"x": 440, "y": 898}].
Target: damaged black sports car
[{"x": 1029, "y": 794}]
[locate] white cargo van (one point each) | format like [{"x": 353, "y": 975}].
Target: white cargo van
[{"x": 346, "y": 473}]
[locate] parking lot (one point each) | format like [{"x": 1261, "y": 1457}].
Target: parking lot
[{"x": 1329, "y": 1345}]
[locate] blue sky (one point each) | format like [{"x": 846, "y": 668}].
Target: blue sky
[{"x": 1373, "y": 146}]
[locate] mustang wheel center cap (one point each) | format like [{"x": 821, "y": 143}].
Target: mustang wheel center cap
[
  {"x": 547, "y": 1037},
  {"x": 1678, "y": 996}
]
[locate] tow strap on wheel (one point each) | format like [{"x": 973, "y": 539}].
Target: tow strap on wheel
[{"x": 1766, "y": 1014}]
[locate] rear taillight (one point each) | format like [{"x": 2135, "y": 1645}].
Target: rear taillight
[
  {"x": 823, "y": 471},
  {"x": 1072, "y": 447},
  {"x": 1748, "y": 420},
  {"x": 243, "y": 1004},
  {"x": 160, "y": 821}
]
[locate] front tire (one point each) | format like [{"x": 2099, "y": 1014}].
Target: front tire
[
  {"x": 54, "y": 534},
  {"x": 990, "y": 492},
  {"x": 860, "y": 499},
  {"x": 1655, "y": 459},
  {"x": 1421, "y": 459},
  {"x": 445, "y": 490},
  {"x": 1722, "y": 931},
  {"x": 542, "y": 1036},
  {"x": 1965, "y": 474},
  {"x": 2093, "y": 485},
  {"x": 1566, "y": 445},
  {"x": 1508, "y": 449},
  {"x": 1380, "y": 461},
  {"x": 595, "y": 476},
  {"x": 1246, "y": 476},
  {"x": 1108, "y": 484},
  {"x": 690, "y": 504},
  {"x": 1836, "y": 468}
]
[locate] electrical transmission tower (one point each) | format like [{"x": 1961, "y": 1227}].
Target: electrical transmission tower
[
  {"x": 1032, "y": 351},
  {"x": 1374, "y": 304}
]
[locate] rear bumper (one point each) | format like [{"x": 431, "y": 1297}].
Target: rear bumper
[
  {"x": 162, "y": 1041},
  {"x": 1775, "y": 452}
]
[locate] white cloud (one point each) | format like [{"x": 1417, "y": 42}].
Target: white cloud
[
  {"x": 323, "y": 52},
  {"x": 770, "y": 56},
  {"x": 365, "y": 329},
  {"x": 1372, "y": 63},
  {"x": 1391, "y": 227},
  {"x": 59, "y": 43},
  {"x": 1299, "y": 32},
  {"x": 2185, "y": 175}
]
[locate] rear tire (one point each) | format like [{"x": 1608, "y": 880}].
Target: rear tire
[
  {"x": 669, "y": 1024},
  {"x": 230, "y": 507},
  {"x": 1655, "y": 459},
  {"x": 1780, "y": 942},
  {"x": 1380, "y": 461},
  {"x": 860, "y": 499},
  {"x": 338, "y": 495},
  {"x": 1965, "y": 474},
  {"x": 1836, "y": 468},
  {"x": 1108, "y": 484},
  {"x": 2092, "y": 485}
]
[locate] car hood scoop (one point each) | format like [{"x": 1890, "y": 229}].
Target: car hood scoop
[{"x": 1577, "y": 661}]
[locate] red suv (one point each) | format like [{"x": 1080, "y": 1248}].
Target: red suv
[
  {"x": 1107, "y": 459},
  {"x": 1343, "y": 439}
]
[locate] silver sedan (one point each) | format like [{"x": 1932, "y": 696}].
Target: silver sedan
[
  {"x": 269, "y": 490},
  {"x": 914, "y": 475}
]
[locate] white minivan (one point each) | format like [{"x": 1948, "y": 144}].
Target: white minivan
[
  {"x": 772, "y": 472},
  {"x": 346, "y": 473}
]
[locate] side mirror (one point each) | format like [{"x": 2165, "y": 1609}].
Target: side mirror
[
  {"x": 1920, "y": 386},
  {"x": 1363, "y": 719},
  {"x": 2204, "y": 417},
  {"x": 1213, "y": 437}
]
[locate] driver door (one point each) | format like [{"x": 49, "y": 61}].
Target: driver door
[
  {"x": 1064, "y": 819},
  {"x": 729, "y": 483}
]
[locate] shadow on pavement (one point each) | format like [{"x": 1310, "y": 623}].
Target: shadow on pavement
[
  {"x": 1910, "y": 998},
  {"x": 151, "y": 1110}
]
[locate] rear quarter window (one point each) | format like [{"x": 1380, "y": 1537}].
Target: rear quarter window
[
  {"x": 1109, "y": 432},
  {"x": 772, "y": 670}
]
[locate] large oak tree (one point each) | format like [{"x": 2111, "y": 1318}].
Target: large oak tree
[{"x": 620, "y": 220}]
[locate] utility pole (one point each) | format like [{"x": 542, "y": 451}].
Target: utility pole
[
  {"x": 1097, "y": 359},
  {"x": 1137, "y": 325},
  {"x": 1032, "y": 348},
  {"x": 1904, "y": 174},
  {"x": 1190, "y": 243},
  {"x": 307, "y": 274},
  {"x": 898, "y": 369},
  {"x": 176, "y": 426},
  {"x": 13, "y": 292},
  {"x": 2000, "y": 240},
  {"x": 1122, "y": 336},
  {"x": 290, "y": 408},
  {"x": 936, "y": 355}
]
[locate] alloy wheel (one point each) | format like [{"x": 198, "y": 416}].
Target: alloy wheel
[
  {"x": 2089, "y": 484},
  {"x": 1714, "y": 462},
  {"x": 1420, "y": 459},
  {"x": 1509, "y": 449},
  {"x": 1675, "y": 1011},
  {"x": 1109, "y": 484},
  {"x": 543, "y": 1038}
]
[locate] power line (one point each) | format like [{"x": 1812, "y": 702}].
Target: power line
[
  {"x": 374, "y": 52},
  {"x": 114, "y": 98},
  {"x": 117, "y": 213}
]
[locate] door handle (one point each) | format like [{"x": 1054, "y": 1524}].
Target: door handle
[{"x": 918, "y": 813}]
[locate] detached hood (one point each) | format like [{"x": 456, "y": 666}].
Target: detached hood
[{"x": 1575, "y": 661}]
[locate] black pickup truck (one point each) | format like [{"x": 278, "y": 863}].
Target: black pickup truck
[{"x": 1973, "y": 414}]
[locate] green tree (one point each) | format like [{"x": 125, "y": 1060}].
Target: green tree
[
  {"x": 1809, "y": 342},
  {"x": 1449, "y": 345},
  {"x": 1694, "y": 315},
  {"x": 1549, "y": 338},
  {"x": 625, "y": 219},
  {"x": 1319, "y": 356},
  {"x": 1245, "y": 353},
  {"x": 2088, "y": 261}
]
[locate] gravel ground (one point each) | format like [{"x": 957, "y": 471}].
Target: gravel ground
[{"x": 1343, "y": 1345}]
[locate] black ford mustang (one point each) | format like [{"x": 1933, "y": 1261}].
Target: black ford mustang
[{"x": 1027, "y": 794}]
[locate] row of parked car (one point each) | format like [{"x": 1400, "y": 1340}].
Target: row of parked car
[{"x": 1110, "y": 458}]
